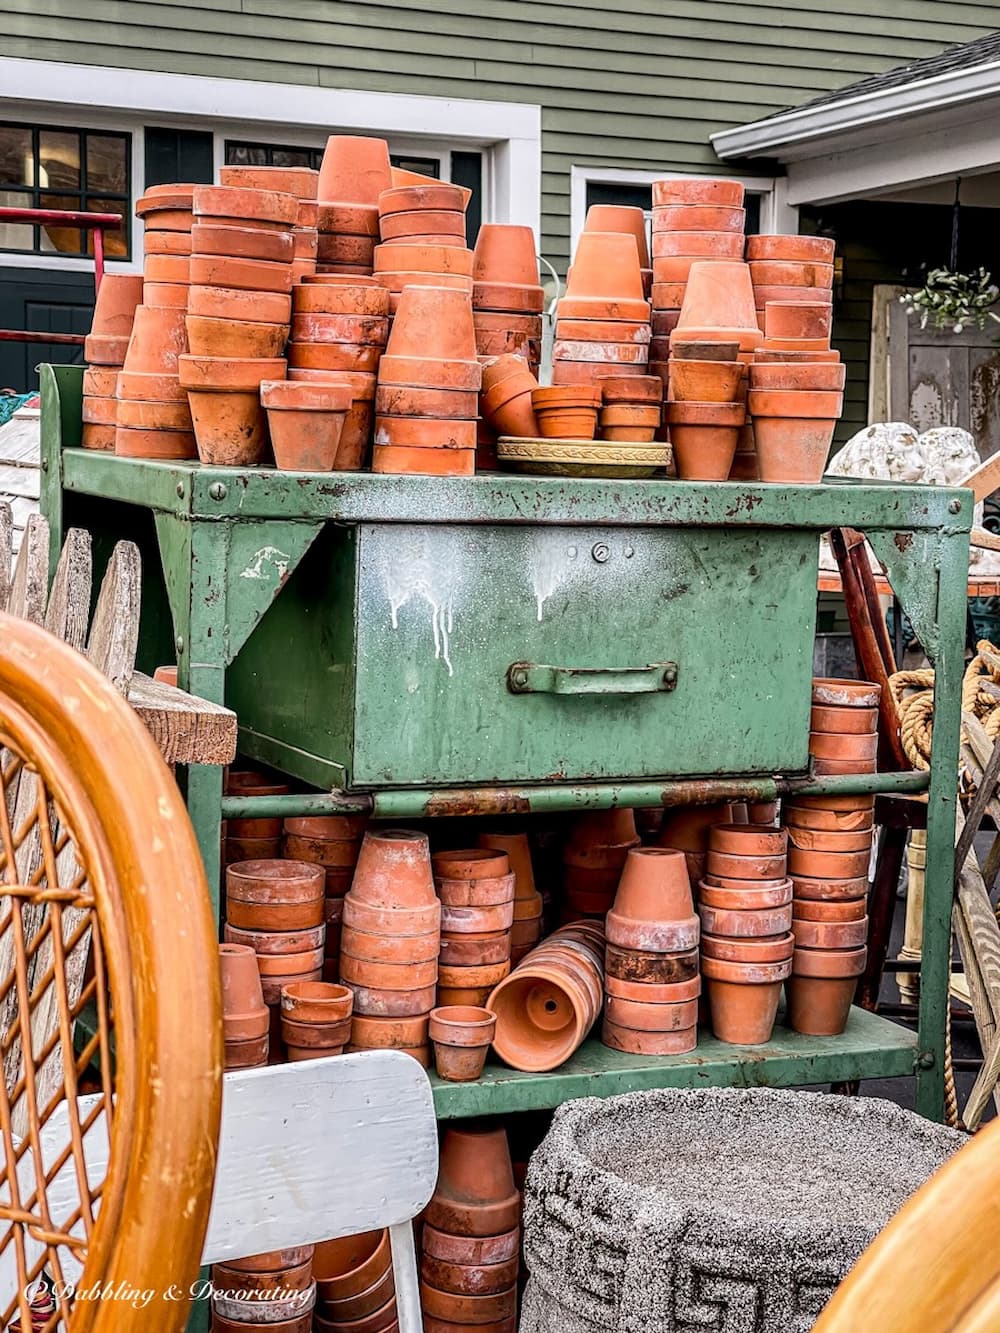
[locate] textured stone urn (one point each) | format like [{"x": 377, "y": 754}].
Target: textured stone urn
[{"x": 712, "y": 1211}]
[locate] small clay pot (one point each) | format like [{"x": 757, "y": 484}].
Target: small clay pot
[
  {"x": 743, "y": 998},
  {"x": 566, "y": 412},
  {"x": 851, "y": 910},
  {"x": 704, "y": 438},
  {"x": 397, "y": 949},
  {"x": 732, "y": 865},
  {"x": 791, "y": 449},
  {"x": 745, "y": 899},
  {"x": 274, "y": 895},
  {"x": 827, "y": 865},
  {"x": 475, "y": 951},
  {"x": 829, "y": 934},
  {"x": 350, "y": 1265},
  {"x": 773, "y": 949},
  {"x": 305, "y": 423},
  {"x": 739, "y": 924},
  {"x": 251, "y": 306},
  {"x": 704, "y": 381},
  {"x": 791, "y": 248},
  {"x": 461, "y": 1037},
  {"x": 475, "y": 1193},
  {"x": 317, "y": 1002},
  {"x": 843, "y": 745},
  {"x": 821, "y": 989},
  {"x": 371, "y": 1032},
  {"x": 845, "y": 694},
  {"x": 747, "y": 840},
  {"x": 822, "y": 840},
  {"x": 244, "y": 1016},
  {"x": 823, "y": 889},
  {"x": 801, "y": 816},
  {"x": 646, "y": 967},
  {"x": 316, "y": 1037}
]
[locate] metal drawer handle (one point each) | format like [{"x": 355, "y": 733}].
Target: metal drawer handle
[{"x": 535, "y": 678}]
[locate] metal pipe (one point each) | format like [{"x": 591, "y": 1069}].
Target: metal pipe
[{"x": 421, "y": 803}]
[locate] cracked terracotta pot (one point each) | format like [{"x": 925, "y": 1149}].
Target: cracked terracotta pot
[
  {"x": 830, "y": 840},
  {"x": 619, "y": 218},
  {"x": 475, "y": 1193},
  {"x": 305, "y": 423},
  {"x": 743, "y": 998},
  {"x": 274, "y": 895},
  {"x": 224, "y": 394},
  {"x": 461, "y": 1036},
  {"x": 234, "y": 337},
  {"x": 717, "y": 192},
  {"x": 244, "y": 1015},
  {"x": 832, "y": 820},
  {"x": 791, "y": 449},
  {"x": 704, "y": 381},
  {"x": 704, "y": 438},
  {"x": 821, "y": 989},
  {"x": 773, "y": 949},
  {"x": 566, "y": 412}
]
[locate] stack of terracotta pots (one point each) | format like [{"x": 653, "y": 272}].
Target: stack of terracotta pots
[
  {"x": 602, "y": 323},
  {"x": 567, "y": 411},
  {"x": 423, "y": 239},
  {"x": 685, "y": 829},
  {"x": 507, "y": 298},
  {"x": 471, "y": 1240},
  {"x": 245, "y": 1018},
  {"x": 303, "y": 183},
  {"x": 695, "y": 220},
  {"x": 631, "y": 407},
  {"x": 718, "y": 308},
  {"x": 461, "y": 1035},
  {"x": 315, "y": 1019},
  {"x": 390, "y": 943},
  {"x": 241, "y": 267},
  {"x": 333, "y": 842},
  {"x": 354, "y": 1285},
  {"x": 705, "y": 408},
  {"x": 526, "y": 930},
  {"x": 505, "y": 398},
  {"x": 593, "y": 860},
  {"x": 252, "y": 839},
  {"x": 796, "y": 391},
  {"x": 651, "y": 979},
  {"x": 829, "y": 850},
  {"x": 630, "y": 222},
  {"x": 276, "y": 907},
  {"x": 427, "y": 400},
  {"x": 476, "y": 888},
  {"x": 352, "y": 175},
  {"x": 275, "y": 1291},
  {"x": 790, "y": 268},
  {"x": 551, "y": 1000},
  {"x": 339, "y": 328},
  {"x": 104, "y": 351},
  {"x": 745, "y": 903}
]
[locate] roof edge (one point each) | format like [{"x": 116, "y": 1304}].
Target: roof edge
[{"x": 767, "y": 137}]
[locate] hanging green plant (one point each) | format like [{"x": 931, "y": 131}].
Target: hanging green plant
[{"x": 954, "y": 301}]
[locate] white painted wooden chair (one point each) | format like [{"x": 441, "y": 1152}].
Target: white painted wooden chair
[{"x": 307, "y": 1152}]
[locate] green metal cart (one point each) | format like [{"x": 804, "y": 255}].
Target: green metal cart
[{"x": 503, "y": 645}]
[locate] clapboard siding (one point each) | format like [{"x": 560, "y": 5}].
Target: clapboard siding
[{"x": 641, "y": 86}]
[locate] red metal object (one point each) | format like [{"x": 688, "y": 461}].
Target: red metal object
[{"x": 98, "y": 223}]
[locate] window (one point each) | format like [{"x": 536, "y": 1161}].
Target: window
[
  {"x": 42, "y": 166},
  {"x": 279, "y": 155}
]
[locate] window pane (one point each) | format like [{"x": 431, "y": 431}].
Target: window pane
[
  {"x": 59, "y": 160},
  {"x": 16, "y": 235},
  {"x": 106, "y": 166},
  {"x": 424, "y": 166},
  {"x": 16, "y": 165},
  {"x": 116, "y": 241},
  {"x": 291, "y": 157},
  {"x": 246, "y": 155},
  {"x": 56, "y": 237}
]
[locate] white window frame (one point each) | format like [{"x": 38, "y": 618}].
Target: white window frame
[
  {"x": 777, "y": 216},
  {"x": 509, "y": 135}
]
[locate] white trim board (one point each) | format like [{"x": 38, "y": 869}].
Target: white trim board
[
  {"x": 776, "y": 214},
  {"x": 511, "y": 131}
]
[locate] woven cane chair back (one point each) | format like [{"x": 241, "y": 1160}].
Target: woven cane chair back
[{"x": 110, "y": 1024}]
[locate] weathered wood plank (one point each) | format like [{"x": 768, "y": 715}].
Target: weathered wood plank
[
  {"x": 114, "y": 633},
  {"x": 188, "y": 730}
]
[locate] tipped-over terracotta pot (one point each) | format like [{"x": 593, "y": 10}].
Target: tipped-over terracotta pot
[{"x": 461, "y": 1036}]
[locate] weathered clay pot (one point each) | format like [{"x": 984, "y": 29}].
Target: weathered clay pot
[
  {"x": 418, "y": 198},
  {"x": 273, "y": 1261},
  {"x": 749, "y": 866},
  {"x": 832, "y": 820},
  {"x": 244, "y": 1015},
  {"x": 475, "y": 1193},
  {"x": 651, "y": 992},
  {"x": 227, "y": 303},
  {"x": 827, "y": 865},
  {"x": 276, "y": 247},
  {"x": 451, "y": 1249},
  {"x": 770, "y": 949},
  {"x": 618, "y": 218},
  {"x": 469, "y": 1279},
  {"x": 646, "y": 1016},
  {"x": 354, "y": 170},
  {"x": 833, "y": 719},
  {"x": 468, "y": 1311},
  {"x": 737, "y": 924},
  {"x": 605, "y": 281},
  {"x": 844, "y": 694},
  {"x": 745, "y": 899},
  {"x": 251, "y": 275},
  {"x": 699, "y": 245},
  {"x": 394, "y": 871},
  {"x": 234, "y": 337},
  {"x": 274, "y": 895},
  {"x": 299, "y": 181},
  {"x": 646, "y": 967},
  {"x": 698, "y": 217},
  {"x": 637, "y": 390},
  {"x": 505, "y": 269},
  {"x": 827, "y": 840},
  {"x": 317, "y": 1002},
  {"x": 114, "y": 310},
  {"x": 843, "y": 745},
  {"x": 698, "y": 190},
  {"x": 819, "y": 376},
  {"x": 276, "y": 942},
  {"x": 635, "y": 1042},
  {"x": 800, "y": 404},
  {"x": 790, "y": 273},
  {"x": 629, "y": 423},
  {"x": 841, "y": 889},
  {"x": 685, "y": 349},
  {"x": 654, "y": 886},
  {"x": 461, "y": 1037},
  {"x": 566, "y": 412},
  {"x": 720, "y": 296},
  {"x": 743, "y": 998},
  {"x": 747, "y": 839},
  {"x": 224, "y": 394},
  {"x": 158, "y": 338},
  {"x": 256, "y": 206},
  {"x": 704, "y": 381},
  {"x": 829, "y": 934},
  {"x": 471, "y": 863},
  {"x": 821, "y": 989},
  {"x": 852, "y": 910},
  {"x": 798, "y": 319},
  {"x": 305, "y": 422},
  {"x": 350, "y": 1265},
  {"x": 793, "y": 450},
  {"x": 804, "y": 249},
  {"x": 704, "y": 437},
  {"x": 488, "y": 949}
]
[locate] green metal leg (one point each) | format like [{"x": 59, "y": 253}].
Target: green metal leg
[{"x": 947, "y": 654}]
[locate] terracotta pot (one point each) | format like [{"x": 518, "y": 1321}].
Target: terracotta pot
[
  {"x": 505, "y": 257},
  {"x": 283, "y": 965},
  {"x": 158, "y": 339},
  {"x": 738, "y": 924},
  {"x": 234, "y": 338},
  {"x": 317, "y": 1002},
  {"x": 715, "y": 245},
  {"x": 635, "y": 1042},
  {"x": 843, "y": 745},
  {"x": 600, "y": 839},
  {"x": 601, "y": 331},
  {"x": 442, "y": 404},
  {"x": 654, "y": 887},
  {"x": 423, "y": 198},
  {"x": 798, "y": 319},
  {"x": 851, "y": 910},
  {"x": 305, "y": 422},
  {"x": 842, "y": 889},
  {"x": 704, "y": 438},
  {"x": 823, "y": 865},
  {"x": 728, "y": 899},
  {"x": 257, "y": 1285},
  {"x": 399, "y": 257},
  {"x": 297, "y": 1324},
  {"x": 156, "y": 444},
  {"x": 640, "y": 390},
  {"x": 617, "y": 218},
  {"x": 743, "y": 998},
  {"x": 392, "y": 921},
  {"x": 377, "y": 999},
  {"x": 823, "y": 840},
  {"x": 251, "y": 849},
  {"x": 429, "y": 462},
  {"x": 472, "y": 863},
  {"x": 276, "y": 942},
  {"x": 747, "y": 840},
  {"x": 687, "y": 350},
  {"x": 419, "y": 433},
  {"x": 274, "y": 895},
  {"x": 832, "y": 820},
  {"x": 471, "y": 1250},
  {"x": 830, "y": 934},
  {"x": 165, "y": 295},
  {"x": 381, "y": 1033},
  {"x": 475, "y": 1193},
  {"x": 244, "y": 1016},
  {"x": 844, "y": 694},
  {"x": 333, "y": 827},
  {"x": 430, "y": 372},
  {"x": 372, "y": 974},
  {"x": 774, "y": 949},
  {"x": 461, "y": 1037},
  {"x": 819, "y": 376},
  {"x": 792, "y": 273},
  {"x": 424, "y": 227},
  {"x": 103, "y": 351},
  {"x": 367, "y": 946},
  {"x": 350, "y": 222},
  {"x": 720, "y": 295},
  {"x": 698, "y": 190},
  {"x": 254, "y": 275},
  {"x": 519, "y": 857},
  {"x": 698, "y": 217},
  {"x": 237, "y": 242},
  {"x": 650, "y": 1017},
  {"x": 299, "y": 181},
  {"x": 857, "y": 721},
  {"x": 705, "y": 381},
  {"x": 792, "y": 450},
  {"x": 800, "y": 404},
  {"x": 252, "y": 306},
  {"x": 273, "y": 1261},
  {"x": 137, "y": 415},
  {"x": 474, "y": 951},
  {"x": 356, "y": 330},
  {"x": 257, "y": 206},
  {"x": 347, "y": 1267},
  {"x": 645, "y": 967},
  {"x": 115, "y": 306},
  {"x": 476, "y": 920},
  {"x": 470, "y": 1311},
  {"x": 315, "y": 1037},
  {"x": 434, "y": 322},
  {"x": 750, "y": 866},
  {"x": 808, "y": 249},
  {"x": 606, "y": 273},
  {"x": 345, "y": 297},
  {"x": 468, "y": 1279},
  {"x": 567, "y": 412},
  {"x": 394, "y": 871},
  {"x": 508, "y": 409},
  {"x": 821, "y": 989},
  {"x": 650, "y": 992},
  {"x": 224, "y": 394},
  {"x": 332, "y": 853}
]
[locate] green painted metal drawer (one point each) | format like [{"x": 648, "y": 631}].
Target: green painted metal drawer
[{"x": 444, "y": 655}]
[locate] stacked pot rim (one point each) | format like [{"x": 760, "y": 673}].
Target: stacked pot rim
[
  {"x": 476, "y": 888},
  {"x": 104, "y": 350},
  {"x": 602, "y": 322},
  {"x": 355, "y": 1285},
  {"x": 526, "y": 928}
]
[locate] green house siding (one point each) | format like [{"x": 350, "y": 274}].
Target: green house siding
[{"x": 641, "y": 87}]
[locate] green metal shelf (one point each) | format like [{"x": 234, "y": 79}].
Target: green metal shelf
[{"x": 871, "y": 1047}]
